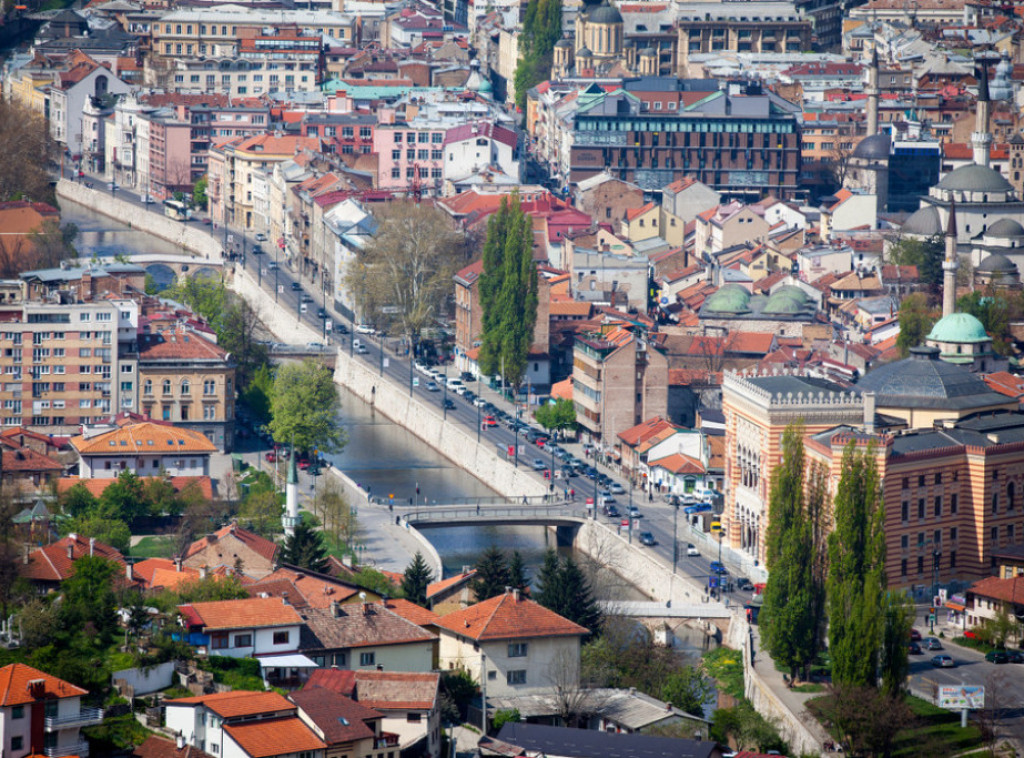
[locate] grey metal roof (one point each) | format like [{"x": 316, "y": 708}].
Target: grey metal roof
[
  {"x": 586, "y": 743},
  {"x": 809, "y": 385},
  {"x": 997, "y": 264},
  {"x": 875, "y": 147},
  {"x": 924, "y": 381},
  {"x": 604, "y": 14},
  {"x": 924, "y": 221},
  {"x": 1005, "y": 227},
  {"x": 975, "y": 178}
]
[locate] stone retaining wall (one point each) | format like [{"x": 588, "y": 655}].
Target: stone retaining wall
[
  {"x": 193, "y": 239},
  {"x": 451, "y": 439}
]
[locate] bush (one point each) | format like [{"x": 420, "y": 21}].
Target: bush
[
  {"x": 505, "y": 716},
  {"x": 237, "y": 673}
]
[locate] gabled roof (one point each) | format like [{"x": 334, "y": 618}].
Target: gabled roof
[
  {"x": 397, "y": 690},
  {"x": 359, "y": 625},
  {"x": 649, "y": 428},
  {"x": 1007, "y": 590},
  {"x": 144, "y": 438},
  {"x": 179, "y": 344},
  {"x": 27, "y": 459},
  {"x": 250, "y": 613},
  {"x": 305, "y": 588},
  {"x": 16, "y": 678},
  {"x": 678, "y": 463},
  {"x": 480, "y": 129},
  {"x": 412, "y": 612},
  {"x": 268, "y": 737},
  {"x": 238, "y": 703},
  {"x": 632, "y": 213},
  {"x": 435, "y": 588},
  {"x": 51, "y": 563},
  {"x": 260, "y": 545},
  {"x": 507, "y": 617},
  {"x": 339, "y": 718},
  {"x": 203, "y": 484}
]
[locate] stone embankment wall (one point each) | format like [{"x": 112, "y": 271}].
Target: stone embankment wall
[
  {"x": 451, "y": 439},
  {"x": 281, "y": 321},
  {"x": 190, "y": 238}
]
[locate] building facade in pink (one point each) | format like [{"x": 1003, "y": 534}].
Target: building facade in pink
[{"x": 410, "y": 157}]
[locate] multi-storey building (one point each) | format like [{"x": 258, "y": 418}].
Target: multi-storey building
[
  {"x": 737, "y": 144},
  {"x": 189, "y": 380},
  {"x": 62, "y": 366}
]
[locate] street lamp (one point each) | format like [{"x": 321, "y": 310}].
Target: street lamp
[
  {"x": 444, "y": 403},
  {"x": 721, "y": 532},
  {"x": 936, "y": 555},
  {"x": 515, "y": 432},
  {"x": 479, "y": 405}
]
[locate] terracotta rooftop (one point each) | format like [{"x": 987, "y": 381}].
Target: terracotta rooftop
[
  {"x": 435, "y": 588},
  {"x": 253, "y": 612},
  {"x": 179, "y": 344},
  {"x": 260, "y": 545},
  {"x": 508, "y": 617},
  {"x": 239, "y": 703},
  {"x": 14, "y": 685},
  {"x": 359, "y": 625},
  {"x": 306, "y": 589},
  {"x": 144, "y": 438},
  {"x": 160, "y": 747},
  {"x": 1006, "y": 590},
  {"x": 650, "y": 428},
  {"x": 678, "y": 463},
  {"x": 26, "y": 459},
  {"x": 412, "y": 612},
  {"x": 341, "y": 719},
  {"x": 96, "y": 486},
  {"x": 52, "y": 564},
  {"x": 268, "y": 737},
  {"x": 382, "y": 690}
]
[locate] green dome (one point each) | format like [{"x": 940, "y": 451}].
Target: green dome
[
  {"x": 788, "y": 299},
  {"x": 958, "y": 327},
  {"x": 731, "y": 298}
]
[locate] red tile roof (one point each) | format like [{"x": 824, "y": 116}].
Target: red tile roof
[
  {"x": 159, "y": 747},
  {"x": 308, "y": 589},
  {"x": 253, "y": 612},
  {"x": 260, "y": 545},
  {"x": 482, "y": 129},
  {"x": 571, "y": 308},
  {"x": 268, "y": 737},
  {"x": 649, "y": 428},
  {"x": 14, "y": 685},
  {"x": 1007, "y": 590},
  {"x": 146, "y": 437},
  {"x": 632, "y": 213},
  {"x": 412, "y": 612},
  {"x": 26, "y": 459},
  {"x": 435, "y": 588},
  {"x": 180, "y": 483},
  {"x": 1006, "y": 383},
  {"x": 678, "y": 463},
  {"x": 238, "y": 703},
  {"x": 51, "y": 563},
  {"x": 179, "y": 344},
  {"x": 397, "y": 690},
  {"x": 507, "y": 617}
]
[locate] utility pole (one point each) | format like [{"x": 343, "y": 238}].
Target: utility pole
[{"x": 483, "y": 694}]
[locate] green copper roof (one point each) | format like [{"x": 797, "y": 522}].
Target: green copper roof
[
  {"x": 958, "y": 327},
  {"x": 730, "y": 298}
]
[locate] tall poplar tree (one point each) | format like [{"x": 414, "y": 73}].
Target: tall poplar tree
[
  {"x": 542, "y": 26},
  {"x": 791, "y": 617},
  {"x": 856, "y": 576}
]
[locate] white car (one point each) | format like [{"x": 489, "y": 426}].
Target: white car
[
  {"x": 364, "y": 329},
  {"x": 460, "y": 389},
  {"x": 422, "y": 368},
  {"x": 261, "y": 237},
  {"x": 480, "y": 402},
  {"x": 454, "y": 384},
  {"x": 691, "y": 550}
]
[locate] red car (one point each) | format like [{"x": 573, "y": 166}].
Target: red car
[
  {"x": 271, "y": 457},
  {"x": 915, "y": 635},
  {"x": 303, "y": 463},
  {"x": 489, "y": 421}
]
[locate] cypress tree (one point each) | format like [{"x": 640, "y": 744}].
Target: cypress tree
[
  {"x": 490, "y": 285},
  {"x": 492, "y": 575},
  {"x": 549, "y": 588},
  {"x": 517, "y": 572},
  {"x": 416, "y": 579},
  {"x": 856, "y": 577}
]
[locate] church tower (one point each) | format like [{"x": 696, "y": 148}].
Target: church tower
[
  {"x": 291, "y": 519},
  {"x": 950, "y": 265},
  {"x": 981, "y": 138}
]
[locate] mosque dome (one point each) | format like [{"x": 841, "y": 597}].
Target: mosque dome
[
  {"x": 996, "y": 264},
  {"x": 786, "y": 300},
  {"x": 1005, "y": 228},
  {"x": 875, "y": 147},
  {"x": 564, "y": 42},
  {"x": 958, "y": 327},
  {"x": 924, "y": 222},
  {"x": 975, "y": 178},
  {"x": 730, "y": 298}
]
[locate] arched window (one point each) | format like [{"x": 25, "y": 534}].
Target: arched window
[
  {"x": 1010, "y": 492},
  {"x": 186, "y": 387},
  {"x": 147, "y": 388},
  {"x": 167, "y": 386}
]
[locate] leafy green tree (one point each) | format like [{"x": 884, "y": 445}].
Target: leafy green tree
[
  {"x": 927, "y": 255},
  {"x": 88, "y": 601},
  {"x": 416, "y": 579},
  {"x": 856, "y": 578},
  {"x": 689, "y": 690},
  {"x": 492, "y": 576},
  {"x": 790, "y": 618},
  {"x": 305, "y": 548},
  {"x": 557, "y": 416},
  {"x": 124, "y": 498},
  {"x": 304, "y": 408},
  {"x": 160, "y": 497},
  {"x": 562, "y": 587},
  {"x": 375, "y": 581},
  {"x": 517, "y": 572},
  {"x": 894, "y": 664},
  {"x": 505, "y": 716},
  {"x": 261, "y": 512},
  {"x": 257, "y": 393},
  {"x": 109, "y": 531},
  {"x": 916, "y": 319},
  {"x": 996, "y": 310},
  {"x": 508, "y": 293},
  {"x": 199, "y": 196},
  {"x": 78, "y": 501}
]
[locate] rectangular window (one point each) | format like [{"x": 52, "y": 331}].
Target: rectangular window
[
  {"x": 920, "y": 508},
  {"x": 17, "y": 743},
  {"x": 952, "y": 534},
  {"x": 18, "y": 712},
  {"x": 219, "y": 641},
  {"x": 517, "y": 649},
  {"x": 413, "y": 718},
  {"x": 516, "y": 677},
  {"x": 903, "y": 567},
  {"x": 904, "y": 542},
  {"x": 243, "y": 640},
  {"x": 920, "y": 564},
  {"x": 281, "y": 638},
  {"x": 938, "y": 478},
  {"x": 994, "y": 533},
  {"x": 938, "y": 506},
  {"x": 952, "y": 559},
  {"x": 953, "y": 503},
  {"x": 367, "y": 659},
  {"x": 905, "y": 511}
]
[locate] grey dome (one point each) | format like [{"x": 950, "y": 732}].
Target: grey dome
[
  {"x": 924, "y": 221},
  {"x": 975, "y": 178},
  {"x": 564, "y": 42},
  {"x": 604, "y": 14},
  {"x": 924, "y": 381},
  {"x": 997, "y": 264},
  {"x": 875, "y": 147},
  {"x": 584, "y": 52},
  {"x": 1005, "y": 228}
]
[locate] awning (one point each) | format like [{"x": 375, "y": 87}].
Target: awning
[
  {"x": 293, "y": 661},
  {"x": 956, "y": 606}
]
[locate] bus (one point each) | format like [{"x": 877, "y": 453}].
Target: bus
[{"x": 177, "y": 210}]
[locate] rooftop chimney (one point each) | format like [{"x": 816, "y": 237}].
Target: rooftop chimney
[
  {"x": 129, "y": 572},
  {"x": 92, "y": 546},
  {"x": 335, "y": 609},
  {"x": 180, "y": 742},
  {"x": 515, "y": 594},
  {"x": 71, "y": 551},
  {"x": 177, "y": 563},
  {"x": 202, "y": 572}
]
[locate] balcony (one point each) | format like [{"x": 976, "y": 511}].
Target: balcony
[
  {"x": 85, "y": 717},
  {"x": 79, "y": 748},
  {"x": 385, "y": 739}
]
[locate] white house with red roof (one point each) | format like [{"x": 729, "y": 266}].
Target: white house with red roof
[
  {"x": 247, "y": 628},
  {"x": 513, "y": 645},
  {"x": 41, "y": 714},
  {"x": 471, "y": 149}
]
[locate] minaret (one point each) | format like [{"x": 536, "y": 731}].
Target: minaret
[
  {"x": 981, "y": 138},
  {"x": 872, "y": 92},
  {"x": 291, "y": 519},
  {"x": 949, "y": 265}
]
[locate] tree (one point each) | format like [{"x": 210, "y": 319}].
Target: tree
[
  {"x": 28, "y": 150},
  {"x": 789, "y": 616},
  {"x": 304, "y": 408},
  {"x": 52, "y": 243},
  {"x": 893, "y": 662},
  {"x": 542, "y": 27},
  {"x": 508, "y": 293},
  {"x": 333, "y": 511},
  {"x": 160, "y": 496},
  {"x": 261, "y": 512},
  {"x": 305, "y": 548},
  {"x": 402, "y": 279},
  {"x": 558, "y": 415},
  {"x": 257, "y": 393},
  {"x": 110, "y": 531},
  {"x": 927, "y": 255},
  {"x": 866, "y": 721},
  {"x": 416, "y": 579},
  {"x": 549, "y": 587},
  {"x": 124, "y": 498},
  {"x": 689, "y": 690},
  {"x": 517, "y": 572},
  {"x": 199, "y": 197},
  {"x": 916, "y": 319},
  {"x": 10, "y": 549},
  {"x": 77, "y": 500},
  {"x": 856, "y": 578},
  {"x": 88, "y": 603},
  {"x": 564, "y": 589},
  {"x": 996, "y": 310},
  {"x": 492, "y": 575},
  {"x": 505, "y": 716}
]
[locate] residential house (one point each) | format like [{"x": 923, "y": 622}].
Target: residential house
[
  {"x": 681, "y": 201},
  {"x": 243, "y": 628},
  {"x": 475, "y": 148},
  {"x": 160, "y": 747},
  {"x": 189, "y": 380},
  {"x": 235, "y": 547},
  {"x": 993, "y": 595},
  {"x": 726, "y": 226},
  {"x": 607, "y": 199},
  {"x": 46, "y": 567},
  {"x": 452, "y": 594},
  {"x": 848, "y": 210},
  {"x": 242, "y": 724},
  {"x": 25, "y": 471},
  {"x": 366, "y": 636},
  {"x": 304, "y": 588},
  {"x": 345, "y": 726},
  {"x": 641, "y": 223},
  {"x": 41, "y": 714},
  {"x": 513, "y": 644},
  {"x": 145, "y": 448},
  {"x": 410, "y": 702},
  {"x": 84, "y": 79}
]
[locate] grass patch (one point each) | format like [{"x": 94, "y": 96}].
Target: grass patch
[
  {"x": 726, "y": 667},
  {"x": 237, "y": 673},
  {"x": 939, "y": 732},
  {"x": 153, "y": 547},
  {"x": 809, "y": 687}
]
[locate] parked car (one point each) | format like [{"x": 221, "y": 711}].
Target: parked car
[
  {"x": 1016, "y": 656},
  {"x": 468, "y": 377},
  {"x": 489, "y": 421},
  {"x": 914, "y": 649},
  {"x": 692, "y": 551},
  {"x": 943, "y": 662},
  {"x": 932, "y": 643},
  {"x": 997, "y": 656},
  {"x": 915, "y": 635},
  {"x": 646, "y": 538},
  {"x": 296, "y": 286},
  {"x": 480, "y": 402},
  {"x": 364, "y": 329},
  {"x": 432, "y": 387},
  {"x": 718, "y": 568}
]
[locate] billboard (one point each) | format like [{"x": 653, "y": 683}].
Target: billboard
[{"x": 959, "y": 696}]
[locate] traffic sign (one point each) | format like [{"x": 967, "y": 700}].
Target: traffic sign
[
  {"x": 716, "y": 526},
  {"x": 280, "y": 289},
  {"x": 328, "y": 325}
]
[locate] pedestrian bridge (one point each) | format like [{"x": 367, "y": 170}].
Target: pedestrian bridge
[{"x": 545, "y": 514}]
